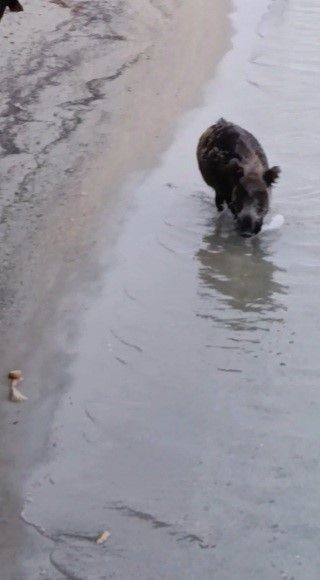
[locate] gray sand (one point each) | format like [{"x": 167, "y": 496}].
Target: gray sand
[
  {"x": 88, "y": 97},
  {"x": 172, "y": 368}
]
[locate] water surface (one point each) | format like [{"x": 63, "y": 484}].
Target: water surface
[{"x": 191, "y": 427}]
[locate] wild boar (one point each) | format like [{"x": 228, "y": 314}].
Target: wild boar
[{"x": 234, "y": 164}]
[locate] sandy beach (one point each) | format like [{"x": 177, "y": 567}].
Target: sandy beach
[
  {"x": 91, "y": 93},
  {"x": 171, "y": 366}
]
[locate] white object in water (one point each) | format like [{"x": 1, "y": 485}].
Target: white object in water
[{"x": 276, "y": 223}]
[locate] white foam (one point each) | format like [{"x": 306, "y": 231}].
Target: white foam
[{"x": 276, "y": 223}]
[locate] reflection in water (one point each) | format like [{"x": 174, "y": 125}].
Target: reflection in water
[{"x": 238, "y": 285}]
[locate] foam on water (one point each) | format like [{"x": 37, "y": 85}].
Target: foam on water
[{"x": 276, "y": 223}]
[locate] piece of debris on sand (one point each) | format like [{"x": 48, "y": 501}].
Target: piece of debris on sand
[
  {"x": 103, "y": 537},
  {"x": 14, "y": 394},
  {"x": 61, "y": 3}
]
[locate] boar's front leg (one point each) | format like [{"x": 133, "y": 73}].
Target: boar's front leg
[{"x": 219, "y": 201}]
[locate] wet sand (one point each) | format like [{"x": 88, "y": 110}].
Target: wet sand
[
  {"x": 173, "y": 372},
  {"x": 87, "y": 99},
  {"x": 90, "y": 93}
]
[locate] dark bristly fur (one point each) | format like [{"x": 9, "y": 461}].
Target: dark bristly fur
[{"x": 233, "y": 163}]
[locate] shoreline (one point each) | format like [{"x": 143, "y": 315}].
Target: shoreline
[
  {"x": 55, "y": 235},
  {"x": 116, "y": 127}
]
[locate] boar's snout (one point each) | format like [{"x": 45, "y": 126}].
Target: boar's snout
[{"x": 249, "y": 225}]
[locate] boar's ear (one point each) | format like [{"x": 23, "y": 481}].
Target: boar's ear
[
  {"x": 271, "y": 175},
  {"x": 236, "y": 168}
]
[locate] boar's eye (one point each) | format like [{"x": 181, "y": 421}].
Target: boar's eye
[
  {"x": 239, "y": 194},
  {"x": 262, "y": 205},
  {"x": 236, "y": 206}
]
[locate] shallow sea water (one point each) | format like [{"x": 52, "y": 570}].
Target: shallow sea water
[{"x": 194, "y": 430}]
